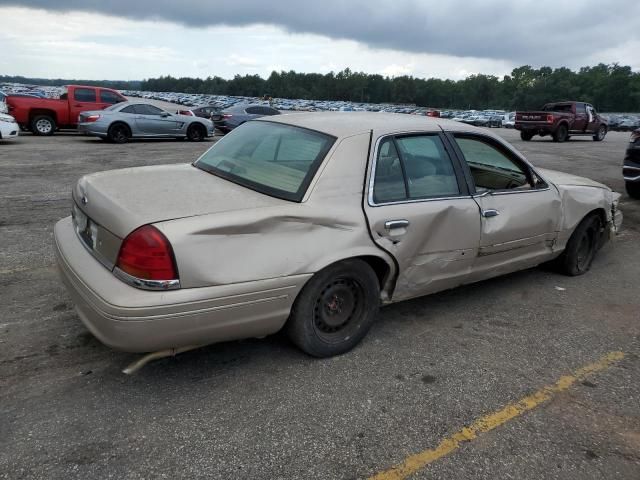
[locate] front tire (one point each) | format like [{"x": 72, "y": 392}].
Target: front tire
[
  {"x": 43, "y": 125},
  {"x": 335, "y": 309},
  {"x": 196, "y": 133},
  {"x": 633, "y": 189},
  {"x": 600, "y": 134},
  {"x": 582, "y": 247}
]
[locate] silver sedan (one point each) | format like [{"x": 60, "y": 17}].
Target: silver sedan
[{"x": 126, "y": 120}]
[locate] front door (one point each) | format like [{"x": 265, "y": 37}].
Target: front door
[
  {"x": 581, "y": 119},
  {"x": 420, "y": 211},
  {"x": 519, "y": 212},
  {"x": 154, "y": 121},
  {"x": 84, "y": 99}
]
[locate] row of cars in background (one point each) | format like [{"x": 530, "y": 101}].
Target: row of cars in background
[
  {"x": 107, "y": 114},
  {"x": 100, "y": 112}
]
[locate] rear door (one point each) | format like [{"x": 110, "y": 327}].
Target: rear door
[
  {"x": 420, "y": 211},
  {"x": 520, "y": 213},
  {"x": 153, "y": 121},
  {"x": 83, "y": 99}
]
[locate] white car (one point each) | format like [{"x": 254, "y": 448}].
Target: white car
[
  {"x": 509, "y": 120},
  {"x": 8, "y": 127}
]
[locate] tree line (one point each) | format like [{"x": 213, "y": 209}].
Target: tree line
[
  {"x": 59, "y": 82},
  {"x": 612, "y": 88}
]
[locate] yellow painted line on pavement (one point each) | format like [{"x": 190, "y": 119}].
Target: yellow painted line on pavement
[{"x": 484, "y": 424}]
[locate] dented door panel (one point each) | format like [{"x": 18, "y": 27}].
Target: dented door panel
[{"x": 436, "y": 250}]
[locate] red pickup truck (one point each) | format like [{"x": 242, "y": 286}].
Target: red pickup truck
[
  {"x": 43, "y": 116},
  {"x": 562, "y": 120}
]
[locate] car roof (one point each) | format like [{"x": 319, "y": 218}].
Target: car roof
[{"x": 344, "y": 124}]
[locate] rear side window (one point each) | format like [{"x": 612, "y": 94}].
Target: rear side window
[
  {"x": 110, "y": 97},
  {"x": 412, "y": 168},
  {"x": 253, "y": 110},
  {"x": 85, "y": 94},
  {"x": 129, "y": 109}
]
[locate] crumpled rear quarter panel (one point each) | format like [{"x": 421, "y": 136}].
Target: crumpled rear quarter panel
[{"x": 287, "y": 239}]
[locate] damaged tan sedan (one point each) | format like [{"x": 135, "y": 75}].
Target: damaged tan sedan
[{"x": 309, "y": 222}]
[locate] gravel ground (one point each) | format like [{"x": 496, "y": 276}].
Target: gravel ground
[{"x": 261, "y": 409}]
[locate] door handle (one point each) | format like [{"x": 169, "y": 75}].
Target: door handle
[
  {"x": 490, "y": 213},
  {"x": 391, "y": 224}
]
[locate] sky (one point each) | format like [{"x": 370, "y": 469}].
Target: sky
[{"x": 138, "y": 39}]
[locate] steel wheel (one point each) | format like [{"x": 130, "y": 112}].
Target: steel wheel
[{"x": 335, "y": 309}]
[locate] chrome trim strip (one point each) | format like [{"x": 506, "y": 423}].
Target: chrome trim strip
[
  {"x": 632, "y": 179},
  {"x": 625, "y": 167},
  {"x": 146, "y": 284}
]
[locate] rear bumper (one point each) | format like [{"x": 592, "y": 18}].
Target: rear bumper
[
  {"x": 129, "y": 319},
  {"x": 89, "y": 129}
]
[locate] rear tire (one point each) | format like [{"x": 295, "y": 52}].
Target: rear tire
[
  {"x": 582, "y": 247},
  {"x": 633, "y": 189},
  {"x": 119, "y": 133},
  {"x": 43, "y": 125},
  {"x": 600, "y": 134},
  {"x": 561, "y": 134},
  {"x": 335, "y": 309},
  {"x": 526, "y": 136}
]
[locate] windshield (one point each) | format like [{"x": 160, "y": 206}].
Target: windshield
[{"x": 272, "y": 158}]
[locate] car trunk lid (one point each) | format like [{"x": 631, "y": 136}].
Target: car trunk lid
[{"x": 122, "y": 200}]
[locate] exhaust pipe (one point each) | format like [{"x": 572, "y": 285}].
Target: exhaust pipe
[{"x": 150, "y": 357}]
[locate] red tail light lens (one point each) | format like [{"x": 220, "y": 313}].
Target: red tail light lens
[
  {"x": 147, "y": 254},
  {"x": 91, "y": 118},
  {"x": 226, "y": 115},
  {"x": 549, "y": 118}
]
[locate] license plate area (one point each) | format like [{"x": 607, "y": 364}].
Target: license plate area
[{"x": 85, "y": 228}]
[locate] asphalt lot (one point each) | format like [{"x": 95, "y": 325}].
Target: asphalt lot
[{"x": 262, "y": 409}]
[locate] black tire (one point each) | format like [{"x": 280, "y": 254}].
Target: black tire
[
  {"x": 526, "y": 136},
  {"x": 600, "y": 134},
  {"x": 43, "y": 125},
  {"x": 196, "y": 133},
  {"x": 561, "y": 133},
  {"x": 582, "y": 247},
  {"x": 633, "y": 189},
  {"x": 335, "y": 309},
  {"x": 119, "y": 133}
]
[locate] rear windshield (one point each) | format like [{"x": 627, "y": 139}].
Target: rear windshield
[
  {"x": 554, "y": 107},
  {"x": 272, "y": 158}
]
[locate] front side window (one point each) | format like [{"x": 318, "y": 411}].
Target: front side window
[
  {"x": 146, "y": 109},
  {"x": 491, "y": 168},
  {"x": 85, "y": 95},
  {"x": 581, "y": 108},
  {"x": 275, "y": 159},
  {"x": 413, "y": 167}
]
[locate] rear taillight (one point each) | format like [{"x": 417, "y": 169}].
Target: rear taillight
[
  {"x": 549, "y": 118},
  {"x": 227, "y": 115},
  {"x": 147, "y": 254},
  {"x": 91, "y": 118}
]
